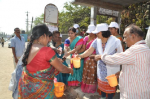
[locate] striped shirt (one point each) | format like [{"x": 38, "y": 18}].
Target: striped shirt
[{"x": 134, "y": 78}]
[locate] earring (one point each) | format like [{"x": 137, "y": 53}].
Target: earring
[{"x": 39, "y": 43}]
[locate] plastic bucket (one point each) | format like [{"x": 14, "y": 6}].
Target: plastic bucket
[
  {"x": 76, "y": 62},
  {"x": 59, "y": 89},
  {"x": 112, "y": 80},
  {"x": 58, "y": 94}
]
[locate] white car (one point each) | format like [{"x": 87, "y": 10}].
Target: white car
[{"x": 9, "y": 44}]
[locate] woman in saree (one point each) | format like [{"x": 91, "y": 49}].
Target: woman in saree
[
  {"x": 75, "y": 44},
  {"x": 104, "y": 44},
  {"x": 89, "y": 78},
  {"x": 61, "y": 77},
  {"x": 40, "y": 66}
]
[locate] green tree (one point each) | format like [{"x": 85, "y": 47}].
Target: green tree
[
  {"x": 73, "y": 14},
  {"x": 38, "y": 20}
]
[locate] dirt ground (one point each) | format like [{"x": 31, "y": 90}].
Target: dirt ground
[{"x": 7, "y": 67}]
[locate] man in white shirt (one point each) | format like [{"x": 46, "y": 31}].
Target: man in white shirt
[
  {"x": 134, "y": 77},
  {"x": 17, "y": 45}
]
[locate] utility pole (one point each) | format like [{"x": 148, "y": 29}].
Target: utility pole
[
  {"x": 31, "y": 23},
  {"x": 27, "y": 22}
]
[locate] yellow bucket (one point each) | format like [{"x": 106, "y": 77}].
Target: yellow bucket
[
  {"x": 59, "y": 89},
  {"x": 76, "y": 62},
  {"x": 112, "y": 80}
]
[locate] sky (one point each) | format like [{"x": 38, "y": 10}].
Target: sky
[{"x": 13, "y": 12}]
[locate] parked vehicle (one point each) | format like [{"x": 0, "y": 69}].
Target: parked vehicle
[{"x": 9, "y": 44}]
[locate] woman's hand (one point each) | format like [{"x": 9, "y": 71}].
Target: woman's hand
[
  {"x": 60, "y": 60},
  {"x": 66, "y": 55},
  {"x": 97, "y": 57},
  {"x": 92, "y": 56},
  {"x": 71, "y": 71},
  {"x": 78, "y": 56}
]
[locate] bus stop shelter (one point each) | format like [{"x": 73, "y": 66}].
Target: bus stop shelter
[{"x": 106, "y": 7}]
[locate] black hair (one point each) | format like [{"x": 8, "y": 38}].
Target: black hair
[
  {"x": 16, "y": 28},
  {"x": 50, "y": 34},
  {"x": 106, "y": 34},
  {"x": 72, "y": 29},
  {"x": 117, "y": 29},
  {"x": 56, "y": 32},
  {"x": 134, "y": 29},
  {"x": 37, "y": 31}
]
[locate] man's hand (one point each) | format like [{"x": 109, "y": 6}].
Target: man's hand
[
  {"x": 16, "y": 60},
  {"x": 117, "y": 74},
  {"x": 97, "y": 57}
]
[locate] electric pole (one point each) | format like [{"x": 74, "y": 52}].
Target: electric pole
[
  {"x": 31, "y": 23},
  {"x": 27, "y": 22}
]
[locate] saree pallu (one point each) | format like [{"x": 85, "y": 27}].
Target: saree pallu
[
  {"x": 37, "y": 85},
  {"x": 89, "y": 78},
  {"x": 76, "y": 78}
]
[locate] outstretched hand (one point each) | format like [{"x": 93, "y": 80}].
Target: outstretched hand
[
  {"x": 60, "y": 60},
  {"x": 66, "y": 55},
  {"x": 78, "y": 56},
  {"x": 97, "y": 57},
  {"x": 71, "y": 71}
]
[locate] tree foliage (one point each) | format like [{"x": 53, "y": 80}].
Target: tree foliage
[
  {"x": 73, "y": 14},
  {"x": 39, "y": 20}
]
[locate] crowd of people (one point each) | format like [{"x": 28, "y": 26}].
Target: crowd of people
[{"x": 102, "y": 53}]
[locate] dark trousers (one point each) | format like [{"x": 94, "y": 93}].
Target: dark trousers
[
  {"x": 2, "y": 44},
  {"x": 110, "y": 96}
]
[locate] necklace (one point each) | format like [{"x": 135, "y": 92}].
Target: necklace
[{"x": 38, "y": 43}]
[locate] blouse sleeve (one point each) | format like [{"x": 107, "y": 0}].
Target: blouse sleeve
[
  {"x": 67, "y": 42},
  {"x": 50, "y": 54},
  {"x": 94, "y": 44},
  {"x": 85, "y": 40},
  {"x": 80, "y": 42}
]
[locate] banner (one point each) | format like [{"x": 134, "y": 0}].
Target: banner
[{"x": 52, "y": 28}]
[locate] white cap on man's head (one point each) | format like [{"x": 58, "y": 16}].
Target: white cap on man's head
[
  {"x": 100, "y": 27},
  {"x": 114, "y": 24},
  {"x": 90, "y": 28},
  {"x": 76, "y": 26}
]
